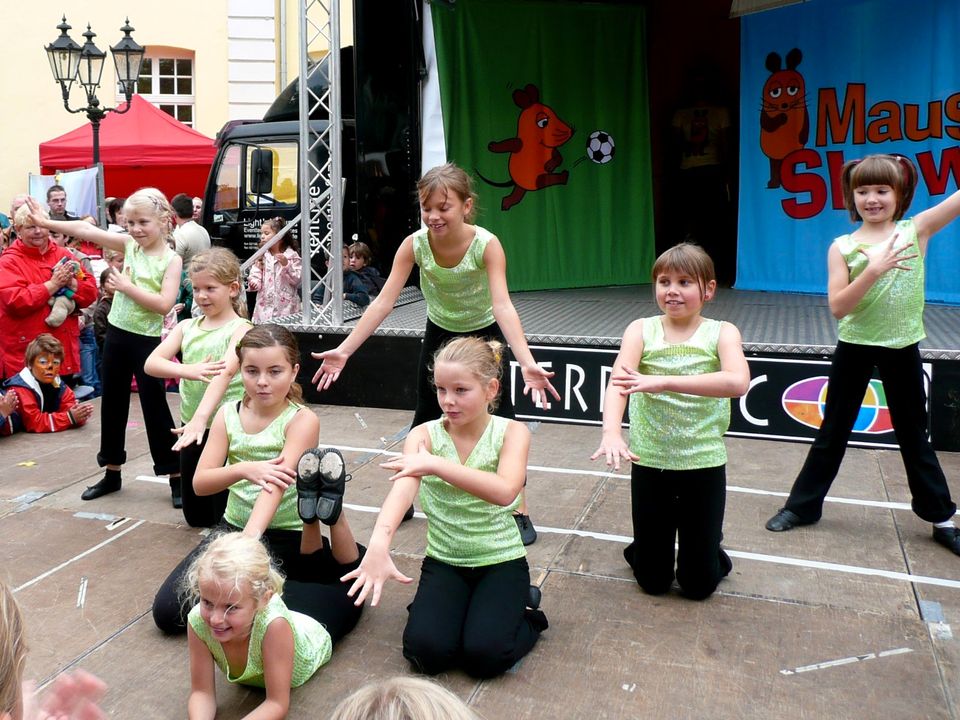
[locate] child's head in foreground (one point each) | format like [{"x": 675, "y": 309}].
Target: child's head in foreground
[
  {"x": 403, "y": 698},
  {"x": 896, "y": 171},
  {"x": 687, "y": 259}
]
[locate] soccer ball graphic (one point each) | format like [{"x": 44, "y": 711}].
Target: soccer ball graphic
[{"x": 600, "y": 147}]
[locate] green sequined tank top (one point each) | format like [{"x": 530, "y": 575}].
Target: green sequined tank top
[
  {"x": 676, "y": 431},
  {"x": 312, "y": 646},
  {"x": 146, "y": 272},
  {"x": 462, "y": 529},
  {"x": 890, "y": 314},
  {"x": 264, "y": 445},
  {"x": 198, "y": 345},
  {"x": 458, "y": 298}
]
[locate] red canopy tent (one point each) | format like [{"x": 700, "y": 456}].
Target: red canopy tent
[{"x": 143, "y": 146}]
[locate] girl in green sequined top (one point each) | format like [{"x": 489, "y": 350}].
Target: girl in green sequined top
[
  {"x": 875, "y": 289},
  {"x": 679, "y": 371},
  {"x": 471, "y": 607},
  {"x": 241, "y": 625}
]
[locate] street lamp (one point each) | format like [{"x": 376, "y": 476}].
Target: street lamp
[{"x": 70, "y": 63}]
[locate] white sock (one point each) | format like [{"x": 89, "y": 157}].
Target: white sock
[{"x": 944, "y": 524}]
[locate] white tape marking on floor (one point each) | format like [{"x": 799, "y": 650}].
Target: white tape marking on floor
[
  {"x": 760, "y": 557},
  {"x": 153, "y": 479},
  {"x": 72, "y": 560},
  {"x": 620, "y": 476},
  {"x": 845, "y": 661},
  {"x": 82, "y": 593}
]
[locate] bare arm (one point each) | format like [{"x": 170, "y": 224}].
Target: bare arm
[
  {"x": 212, "y": 476},
  {"x": 160, "y": 302},
  {"x": 535, "y": 378},
  {"x": 301, "y": 433},
  {"x": 500, "y": 487},
  {"x": 732, "y": 380},
  {"x": 78, "y": 228},
  {"x": 933, "y": 220},
  {"x": 883, "y": 257},
  {"x": 202, "y": 704},
  {"x": 612, "y": 445},
  {"x": 277, "y": 651},
  {"x": 333, "y": 361}
]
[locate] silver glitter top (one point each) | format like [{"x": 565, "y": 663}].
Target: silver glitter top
[{"x": 890, "y": 314}]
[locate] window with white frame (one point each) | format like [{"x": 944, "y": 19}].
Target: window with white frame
[{"x": 167, "y": 81}]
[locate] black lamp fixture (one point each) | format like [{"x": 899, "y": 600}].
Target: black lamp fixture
[{"x": 71, "y": 63}]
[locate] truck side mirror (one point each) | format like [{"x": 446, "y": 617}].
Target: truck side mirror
[{"x": 261, "y": 171}]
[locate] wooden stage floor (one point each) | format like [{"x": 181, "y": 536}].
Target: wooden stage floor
[{"x": 849, "y": 618}]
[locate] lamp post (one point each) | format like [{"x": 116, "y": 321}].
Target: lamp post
[{"x": 71, "y": 63}]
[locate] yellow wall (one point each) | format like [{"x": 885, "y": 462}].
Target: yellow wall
[
  {"x": 316, "y": 15},
  {"x": 35, "y": 110}
]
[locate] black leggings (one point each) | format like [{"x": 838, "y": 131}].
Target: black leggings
[
  {"x": 312, "y": 584},
  {"x": 199, "y": 510},
  {"x": 124, "y": 354},
  {"x": 471, "y": 618},
  {"x": 433, "y": 337},
  {"x": 682, "y": 505},
  {"x": 902, "y": 374}
]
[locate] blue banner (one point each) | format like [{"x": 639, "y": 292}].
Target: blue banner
[{"x": 829, "y": 81}]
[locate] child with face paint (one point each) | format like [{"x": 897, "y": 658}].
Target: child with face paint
[{"x": 44, "y": 403}]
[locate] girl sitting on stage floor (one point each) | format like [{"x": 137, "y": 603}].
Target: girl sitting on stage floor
[
  {"x": 875, "y": 288},
  {"x": 247, "y": 452},
  {"x": 474, "y": 608},
  {"x": 679, "y": 371}
]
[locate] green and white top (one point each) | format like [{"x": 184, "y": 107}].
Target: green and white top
[
  {"x": 677, "y": 431},
  {"x": 198, "y": 345},
  {"x": 312, "y": 646},
  {"x": 264, "y": 445},
  {"x": 462, "y": 529},
  {"x": 146, "y": 272},
  {"x": 890, "y": 314},
  {"x": 458, "y": 298}
]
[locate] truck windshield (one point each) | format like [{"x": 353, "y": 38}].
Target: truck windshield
[{"x": 233, "y": 177}]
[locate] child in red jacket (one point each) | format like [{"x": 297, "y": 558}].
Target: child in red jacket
[{"x": 44, "y": 404}]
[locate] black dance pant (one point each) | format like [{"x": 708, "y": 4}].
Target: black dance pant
[
  {"x": 312, "y": 585},
  {"x": 683, "y": 507},
  {"x": 902, "y": 374},
  {"x": 433, "y": 337},
  {"x": 471, "y": 618},
  {"x": 124, "y": 354},
  {"x": 199, "y": 510}
]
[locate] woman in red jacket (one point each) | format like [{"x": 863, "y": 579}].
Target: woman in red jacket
[{"x": 27, "y": 282}]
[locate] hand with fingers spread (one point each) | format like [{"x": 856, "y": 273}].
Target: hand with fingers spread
[
  {"x": 536, "y": 382},
  {"x": 269, "y": 474},
  {"x": 887, "y": 255},
  {"x": 333, "y": 362},
  {"x": 375, "y": 569},
  {"x": 632, "y": 381},
  {"x": 412, "y": 465},
  {"x": 203, "y": 371},
  {"x": 73, "y": 696},
  {"x": 614, "y": 449},
  {"x": 190, "y": 433}
]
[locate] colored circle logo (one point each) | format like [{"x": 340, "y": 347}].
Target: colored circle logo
[{"x": 805, "y": 401}]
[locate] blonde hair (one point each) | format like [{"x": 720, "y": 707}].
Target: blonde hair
[
  {"x": 448, "y": 178},
  {"x": 152, "y": 201},
  {"x": 234, "y": 559},
  {"x": 689, "y": 259},
  {"x": 482, "y": 358},
  {"x": 224, "y": 266},
  {"x": 403, "y": 698},
  {"x": 13, "y": 650},
  {"x": 897, "y": 171},
  {"x": 22, "y": 215},
  {"x": 271, "y": 335}
]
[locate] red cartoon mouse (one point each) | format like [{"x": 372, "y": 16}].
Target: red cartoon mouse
[
  {"x": 533, "y": 152},
  {"x": 784, "y": 121}
]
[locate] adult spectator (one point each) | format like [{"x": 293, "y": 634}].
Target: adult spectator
[
  {"x": 57, "y": 202},
  {"x": 28, "y": 280},
  {"x": 197, "y": 208},
  {"x": 116, "y": 221},
  {"x": 189, "y": 237},
  {"x": 15, "y": 204}
]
